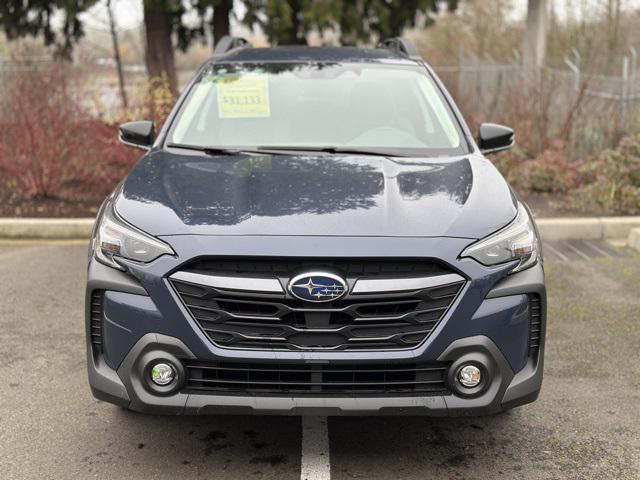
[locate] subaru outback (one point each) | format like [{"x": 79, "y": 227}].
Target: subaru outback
[{"x": 315, "y": 231}]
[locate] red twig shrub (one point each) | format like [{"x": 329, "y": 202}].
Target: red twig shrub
[
  {"x": 549, "y": 172},
  {"x": 49, "y": 145}
]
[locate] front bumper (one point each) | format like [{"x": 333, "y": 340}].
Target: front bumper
[
  {"x": 127, "y": 388},
  {"x": 488, "y": 324}
]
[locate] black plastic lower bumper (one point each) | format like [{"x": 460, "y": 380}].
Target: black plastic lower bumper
[{"x": 129, "y": 388}]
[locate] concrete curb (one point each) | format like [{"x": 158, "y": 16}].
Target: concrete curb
[
  {"x": 634, "y": 239},
  {"x": 591, "y": 228},
  {"x": 46, "y": 228}
]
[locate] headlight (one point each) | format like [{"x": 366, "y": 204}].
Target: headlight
[
  {"x": 116, "y": 238},
  {"x": 517, "y": 241}
]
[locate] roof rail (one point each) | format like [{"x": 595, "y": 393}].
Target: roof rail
[
  {"x": 228, "y": 43},
  {"x": 402, "y": 46}
]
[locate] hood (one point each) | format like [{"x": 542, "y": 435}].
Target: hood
[{"x": 324, "y": 195}]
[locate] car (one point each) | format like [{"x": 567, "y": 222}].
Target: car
[{"x": 315, "y": 231}]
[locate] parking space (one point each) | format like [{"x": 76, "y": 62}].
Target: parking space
[
  {"x": 570, "y": 250},
  {"x": 584, "y": 425}
]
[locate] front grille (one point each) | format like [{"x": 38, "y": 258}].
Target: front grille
[
  {"x": 287, "y": 267},
  {"x": 95, "y": 324},
  {"x": 315, "y": 379},
  {"x": 248, "y": 320},
  {"x": 535, "y": 324}
]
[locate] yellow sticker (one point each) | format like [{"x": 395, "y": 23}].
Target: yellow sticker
[{"x": 244, "y": 96}]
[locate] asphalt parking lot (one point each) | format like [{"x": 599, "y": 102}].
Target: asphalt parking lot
[{"x": 585, "y": 424}]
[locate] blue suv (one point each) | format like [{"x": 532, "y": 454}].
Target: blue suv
[{"x": 315, "y": 231}]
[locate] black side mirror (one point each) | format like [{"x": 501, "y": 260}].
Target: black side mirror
[
  {"x": 494, "y": 138},
  {"x": 138, "y": 134}
]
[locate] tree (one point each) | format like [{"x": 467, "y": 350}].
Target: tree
[
  {"x": 159, "y": 21},
  {"x": 116, "y": 55},
  {"x": 33, "y": 18},
  {"x": 215, "y": 13},
  {"x": 613, "y": 29},
  {"x": 288, "y": 21},
  {"x": 220, "y": 21},
  {"x": 163, "y": 22},
  {"x": 363, "y": 19},
  {"x": 281, "y": 20},
  {"x": 535, "y": 40}
]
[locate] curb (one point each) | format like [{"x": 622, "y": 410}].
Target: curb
[
  {"x": 592, "y": 228},
  {"x": 634, "y": 239},
  {"x": 46, "y": 228}
]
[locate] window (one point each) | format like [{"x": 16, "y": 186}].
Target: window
[{"x": 356, "y": 105}]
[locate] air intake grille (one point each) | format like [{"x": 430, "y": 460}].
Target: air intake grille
[
  {"x": 247, "y": 320},
  {"x": 304, "y": 379},
  {"x": 287, "y": 267},
  {"x": 535, "y": 324},
  {"x": 96, "y": 319}
]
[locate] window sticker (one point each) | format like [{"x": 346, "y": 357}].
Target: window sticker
[{"x": 245, "y": 96}]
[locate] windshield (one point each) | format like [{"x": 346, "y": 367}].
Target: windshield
[{"x": 317, "y": 105}]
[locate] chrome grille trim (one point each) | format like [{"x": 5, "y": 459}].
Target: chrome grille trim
[
  {"x": 387, "y": 285},
  {"x": 247, "y": 284},
  {"x": 272, "y": 285}
]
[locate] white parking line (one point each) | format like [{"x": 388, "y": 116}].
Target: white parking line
[
  {"x": 315, "y": 464},
  {"x": 559, "y": 254},
  {"x": 576, "y": 250},
  {"x": 597, "y": 249}
]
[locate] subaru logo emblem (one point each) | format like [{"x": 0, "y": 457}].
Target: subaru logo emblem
[{"x": 317, "y": 287}]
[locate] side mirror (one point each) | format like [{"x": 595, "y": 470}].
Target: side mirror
[
  {"x": 494, "y": 138},
  {"x": 138, "y": 134}
]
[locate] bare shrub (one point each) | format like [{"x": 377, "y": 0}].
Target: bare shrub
[
  {"x": 613, "y": 180},
  {"x": 477, "y": 53},
  {"x": 151, "y": 100},
  {"x": 38, "y": 130},
  {"x": 49, "y": 145}
]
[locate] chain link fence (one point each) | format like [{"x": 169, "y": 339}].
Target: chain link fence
[{"x": 590, "y": 111}]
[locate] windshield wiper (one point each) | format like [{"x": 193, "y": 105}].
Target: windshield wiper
[
  {"x": 215, "y": 150},
  {"x": 287, "y": 149},
  {"x": 346, "y": 150}
]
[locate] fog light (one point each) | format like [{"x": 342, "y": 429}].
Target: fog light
[
  {"x": 469, "y": 376},
  {"x": 162, "y": 374}
]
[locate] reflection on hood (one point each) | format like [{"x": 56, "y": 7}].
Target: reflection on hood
[
  {"x": 453, "y": 180},
  {"x": 321, "y": 195}
]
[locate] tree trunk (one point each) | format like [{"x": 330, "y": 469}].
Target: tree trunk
[
  {"x": 159, "y": 49},
  {"x": 220, "y": 20},
  {"x": 296, "y": 34},
  {"x": 613, "y": 30},
  {"x": 296, "y": 37},
  {"x": 116, "y": 55},
  {"x": 535, "y": 40}
]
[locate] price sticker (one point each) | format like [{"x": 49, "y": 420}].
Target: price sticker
[{"x": 244, "y": 96}]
